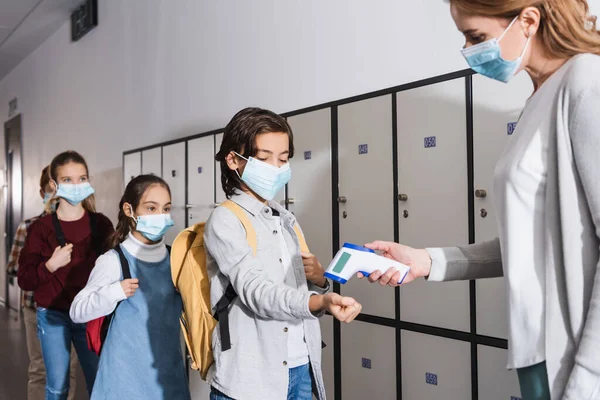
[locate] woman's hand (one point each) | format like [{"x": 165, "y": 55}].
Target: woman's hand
[
  {"x": 60, "y": 258},
  {"x": 418, "y": 260}
]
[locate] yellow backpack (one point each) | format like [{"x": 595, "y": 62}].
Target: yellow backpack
[{"x": 190, "y": 277}]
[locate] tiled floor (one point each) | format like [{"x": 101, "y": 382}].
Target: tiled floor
[{"x": 14, "y": 359}]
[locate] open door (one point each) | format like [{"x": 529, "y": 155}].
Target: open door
[{"x": 12, "y": 203}]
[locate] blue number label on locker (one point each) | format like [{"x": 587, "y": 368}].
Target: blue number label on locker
[
  {"x": 431, "y": 379},
  {"x": 308, "y": 155},
  {"x": 363, "y": 148},
  {"x": 430, "y": 142},
  {"x": 510, "y": 128},
  {"x": 366, "y": 363},
  {"x": 199, "y": 170}
]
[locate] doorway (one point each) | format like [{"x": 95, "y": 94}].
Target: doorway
[{"x": 12, "y": 202}]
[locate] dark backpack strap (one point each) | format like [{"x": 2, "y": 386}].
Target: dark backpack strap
[
  {"x": 222, "y": 315},
  {"x": 60, "y": 236},
  {"x": 97, "y": 244},
  {"x": 124, "y": 263}
]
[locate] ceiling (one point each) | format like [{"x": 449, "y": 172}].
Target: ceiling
[{"x": 26, "y": 24}]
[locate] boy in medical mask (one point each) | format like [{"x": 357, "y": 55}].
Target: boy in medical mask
[{"x": 274, "y": 346}]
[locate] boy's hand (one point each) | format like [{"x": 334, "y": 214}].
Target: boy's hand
[{"x": 313, "y": 269}]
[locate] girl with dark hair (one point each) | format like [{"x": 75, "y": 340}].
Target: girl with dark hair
[
  {"x": 141, "y": 356},
  {"x": 59, "y": 254}
]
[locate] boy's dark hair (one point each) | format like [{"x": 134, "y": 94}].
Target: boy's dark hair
[
  {"x": 240, "y": 136},
  {"x": 133, "y": 195}
]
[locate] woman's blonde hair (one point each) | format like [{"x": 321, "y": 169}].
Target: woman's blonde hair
[
  {"x": 566, "y": 27},
  {"x": 63, "y": 159}
]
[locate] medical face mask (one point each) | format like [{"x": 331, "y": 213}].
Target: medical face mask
[
  {"x": 153, "y": 226},
  {"x": 486, "y": 59},
  {"x": 264, "y": 179},
  {"x": 74, "y": 193},
  {"x": 47, "y": 197}
]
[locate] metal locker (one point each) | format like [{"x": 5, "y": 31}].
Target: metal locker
[
  {"x": 327, "y": 355},
  {"x": 309, "y": 191},
  {"x": 433, "y": 193},
  {"x": 132, "y": 166},
  {"x": 174, "y": 174},
  {"x": 496, "y": 109},
  {"x": 152, "y": 161},
  {"x": 201, "y": 179},
  {"x": 366, "y": 190},
  {"x": 435, "y": 368},
  {"x": 368, "y": 361},
  {"x": 219, "y": 194},
  {"x": 494, "y": 380}
]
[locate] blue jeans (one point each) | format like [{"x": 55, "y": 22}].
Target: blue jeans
[
  {"x": 56, "y": 332},
  {"x": 300, "y": 387}
]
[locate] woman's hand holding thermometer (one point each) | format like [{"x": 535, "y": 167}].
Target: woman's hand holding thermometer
[
  {"x": 418, "y": 260},
  {"x": 352, "y": 259}
]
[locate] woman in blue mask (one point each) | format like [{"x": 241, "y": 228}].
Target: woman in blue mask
[
  {"x": 274, "y": 346},
  {"x": 547, "y": 193},
  {"x": 141, "y": 356},
  {"x": 59, "y": 254}
]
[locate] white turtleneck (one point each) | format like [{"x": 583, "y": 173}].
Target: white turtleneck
[{"x": 103, "y": 290}]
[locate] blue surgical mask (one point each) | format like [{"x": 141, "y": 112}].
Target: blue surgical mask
[
  {"x": 74, "y": 193},
  {"x": 486, "y": 58},
  {"x": 153, "y": 226},
  {"x": 265, "y": 179},
  {"x": 47, "y": 197}
]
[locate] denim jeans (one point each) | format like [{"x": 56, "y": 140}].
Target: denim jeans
[
  {"x": 56, "y": 332},
  {"x": 300, "y": 387}
]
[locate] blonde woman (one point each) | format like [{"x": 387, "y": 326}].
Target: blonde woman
[{"x": 547, "y": 193}]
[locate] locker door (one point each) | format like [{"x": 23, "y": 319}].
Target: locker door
[
  {"x": 432, "y": 187},
  {"x": 132, "y": 166},
  {"x": 152, "y": 161},
  {"x": 435, "y": 368},
  {"x": 495, "y": 381},
  {"x": 173, "y": 173},
  {"x": 219, "y": 194},
  {"x": 366, "y": 190},
  {"x": 369, "y": 362},
  {"x": 201, "y": 179},
  {"x": 496, "y": 106},
  {"x": 309, "y": 191},
  {"x": 327, "y": 355}
]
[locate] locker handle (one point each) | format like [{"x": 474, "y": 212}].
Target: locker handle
[
  {"x": 216, "y": 205},
  {"x": 188, "y": 206},
  {"x": 480, "y": 193},
  {"x": 402, "y": 197},
  {"x": 291, "y": 200},
  {"x": 342, "y": 199}
]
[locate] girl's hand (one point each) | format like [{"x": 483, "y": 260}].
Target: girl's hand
[
  {"x": 313, "y": 269},
  {"x": 130, "y": 286},
  {"x": 60, "y": 258},
  {"x": 418, "y": 260}
]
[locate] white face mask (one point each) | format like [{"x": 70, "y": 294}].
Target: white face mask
[{"x": 264, "y": 179}]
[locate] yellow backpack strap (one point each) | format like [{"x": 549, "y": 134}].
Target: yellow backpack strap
[
  {"x": 301, "y": 239},
  {"x": 243, "y": 217}
]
